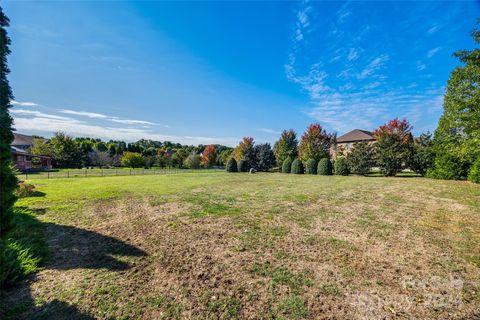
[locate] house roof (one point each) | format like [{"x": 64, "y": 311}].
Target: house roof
[
  {"x": 22, "y": 140},
  {"x": 356, "y": 135},
  {"x": 15, "y": 150}
]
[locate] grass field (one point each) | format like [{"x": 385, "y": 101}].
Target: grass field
[{"x": 238, "y": 246}]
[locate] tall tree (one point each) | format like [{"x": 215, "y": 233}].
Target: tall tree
[
  {"x": 360, "y": 159},
  {"x": 286, "y": 146},
  {"x": 8, "y": 180},
  {"x": 209, "y": 156},
  {"x": 423, "y": 156},
  {"x": 394, "y": 146},
  {"x": 315, "y": 143},
  {"x": 265, "y": 157},
  {"x": 457, "y": 138},
  {"x": 244, "y": 149}
]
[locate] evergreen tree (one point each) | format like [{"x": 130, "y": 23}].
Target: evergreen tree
[
  {"x": 423, "y": 157},
  {"x": 286, "y": 146},
  {"x": 457, "y": 138},
  {"x": 360, "y": 158},
  {"x": 8, "y": 180},
  {"x": 265, "y": 157}
]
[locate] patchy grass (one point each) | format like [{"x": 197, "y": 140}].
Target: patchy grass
[{"x": 241, "y": 246}]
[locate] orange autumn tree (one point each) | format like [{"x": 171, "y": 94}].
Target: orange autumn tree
[
  {"x": 209, "y": 156},
  {"x": 244, "y": 148},
  {"x": 315, "y": 143}
]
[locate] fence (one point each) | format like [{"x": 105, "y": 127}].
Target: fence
[{"x": 82, "y": 173}]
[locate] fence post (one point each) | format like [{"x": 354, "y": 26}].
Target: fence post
[
  {"x": 26, "y": 175},
  {"x": 130, "y": 171},
  {"x": 68, "y": 173},
  {"x": 116, "y": 172},
  {"x": 85, "y": 172}
]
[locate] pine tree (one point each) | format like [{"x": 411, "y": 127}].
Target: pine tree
[{"x": 8, "y": 180}]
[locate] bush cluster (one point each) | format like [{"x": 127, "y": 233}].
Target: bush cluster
[
  {"x": 242, "y": 166},
  {"x": 287, "y": 165},
  {"x": 474, "y": 173},
  {"x": 341, "y": 168},
  {"x": 324, "y": 167},
  {"x": 311, "y": 166},
  {"x": 297, "y": 166},
  {"x": 231, "y": 165}
]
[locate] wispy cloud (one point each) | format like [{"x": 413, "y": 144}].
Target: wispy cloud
[
  {"x": 23, "y": 104},
  {"x": 374, "y": 65},
  {"x": 127, "y": 121},
  {"x": 84, "y": 113},
  {"x": 41, "y": 123},
  {"x": 347, "y": 89},
  {"x": 269, "y": 131},
  {"x": 432, "y": 52},
  {"x": 352, "y": 55},
  {"x": 433, "y": 29},
  {"x": 39, "y": 114}
]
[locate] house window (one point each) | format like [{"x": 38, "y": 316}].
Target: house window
[{"x": 348, "y": 146}]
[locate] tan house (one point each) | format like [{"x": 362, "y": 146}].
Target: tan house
[{"x": 346, "y": 141}]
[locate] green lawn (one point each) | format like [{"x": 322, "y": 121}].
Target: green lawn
[{"x": 237, "y": 246}]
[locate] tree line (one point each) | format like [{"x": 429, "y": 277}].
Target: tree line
[{"x": 69, "y": 152}]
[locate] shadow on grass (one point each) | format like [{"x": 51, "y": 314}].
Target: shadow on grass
[{"x": 33, "y": 244}]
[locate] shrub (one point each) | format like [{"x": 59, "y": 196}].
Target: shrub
[
  {"x": 23, "y": 251},
  {"x": 474, "y": 173},
  {"x": 324, "y": 167},
  {"x": 297, "y": 166},
  {"x": 311, "y": 166},
  {"x": 132, "y": 159},
  {"x": 193, "y": 161},
  {"x": 242, "y": 166},
  {"x": 448, "y": 167},
  {"x": 287, "y": 165},
  {"x": 232, "y": 165},
  {"x": 25, "y": 190},
  {"x": 341, "y": 168}
]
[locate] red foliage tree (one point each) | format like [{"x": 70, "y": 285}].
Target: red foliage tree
[
  {"x": 209, "y": 156},
  {"x": 315, "y": 143},
  {"x": 395, "y": 126}
]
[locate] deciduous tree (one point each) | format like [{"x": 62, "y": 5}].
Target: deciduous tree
[
  {"x": 209, "y": 156},
  {"x": 315, "y": 143},
  {"x": 457, "y": 138},
  {"x": 394, "y": 146},
  {"x": 286, "y": 146}
]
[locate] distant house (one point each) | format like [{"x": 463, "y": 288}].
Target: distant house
[
  {"x": 22, "y": 158},
  {"x": 346, "y": 141}
]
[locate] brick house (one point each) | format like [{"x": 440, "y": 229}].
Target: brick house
[
  {"x": 346, "y": 141},
  {"x": 22, "y": 158}
]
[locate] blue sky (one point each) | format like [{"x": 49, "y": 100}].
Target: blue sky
[{"x": 213, "y": 72}]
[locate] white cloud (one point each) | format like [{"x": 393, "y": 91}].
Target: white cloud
[
  {"x": 23, "y": 104},
  {"x": 434, "y": 29},
  {"x": 421, "y": 66},
  {"x": 269, "y": 131},
  {"x": 84, "y": 113},
  {"x": 41, "y": 123},
  {"x": 39, "y": 114},
  {"x": 127, "y": 121},
  {"x": 432, "y": 52},
  {"x": 374, "y": 65},
  {"x": 352, "y": 55}
]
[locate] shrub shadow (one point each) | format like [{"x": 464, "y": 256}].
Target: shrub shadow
[{"x": 69, "y": 248}]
